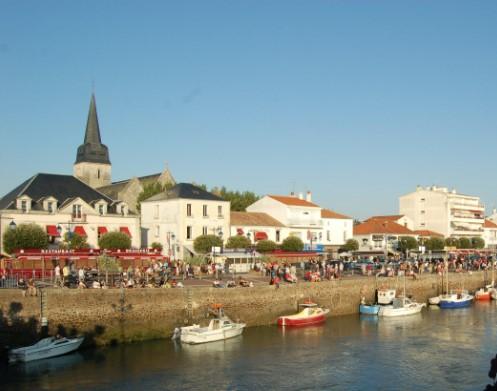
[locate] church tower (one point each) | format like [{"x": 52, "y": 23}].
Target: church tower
[{"x": 92, "y": 164}]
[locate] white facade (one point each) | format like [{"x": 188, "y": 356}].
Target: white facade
[
  {"x": 336, "y": 231},
  {"x": 175, "y": 223},
  {"x": 447, "y": 212},
  {"x": 490, "y": 232}
]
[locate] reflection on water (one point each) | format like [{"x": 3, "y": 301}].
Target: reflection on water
[{"x": 437, "y": 349}]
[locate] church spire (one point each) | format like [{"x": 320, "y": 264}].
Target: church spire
[{"x": 92, "y": 134}]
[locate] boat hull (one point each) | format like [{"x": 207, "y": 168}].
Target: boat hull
[
  {"x": 455, "y": 304},
  {"x": 369, "y": 309},
  {"x": 389, "y": 311},
  {"x": 434, "y": 300},
  {"x": 297, "y": 320},
  {"x": 483, "y": 296},
  {"x": 32, "y": 354},
  {"x": 192, "y": 337}
]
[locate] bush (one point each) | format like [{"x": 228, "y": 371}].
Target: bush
[
  {"x": 238, "y": 241},
  {"x": 451, "y": 242},
  {"x": 350, "y": 245},
  {"x": 477, "y": 242},
  {"x": 24, "y": 236},
  {"x": 435, "y": 244},
  {"x": 292, "y": 243},
  {"x": 114, "y": 241},
  {"x": 156, "y": 246},
  {"x": 464, "y": 243},
  {"x": 108, "y": 264},
  {"x": 75, "y": 241},
  {"x": 265, "y": 246},
  {"x": 204, "y": 243}
]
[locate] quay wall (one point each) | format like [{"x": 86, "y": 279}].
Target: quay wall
[{"x": 113, "y": 315}]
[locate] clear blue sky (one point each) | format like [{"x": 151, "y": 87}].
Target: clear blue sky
[{"x": 358, "y": 101}]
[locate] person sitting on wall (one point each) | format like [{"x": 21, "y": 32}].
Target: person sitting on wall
[
  {"x": 95, "y": 285},
  {"x": 31, "y": 289},
  {"x": 21, "y": 284}
]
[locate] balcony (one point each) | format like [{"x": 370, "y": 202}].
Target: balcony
[
  {"x": 463, "y": 206},
  {"x": 467, "y": 218},
  {"x": 317, "y": 223}
]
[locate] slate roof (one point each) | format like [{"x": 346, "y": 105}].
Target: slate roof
[
  {"x": 115, "y": 188},
  {"x": 292, "y": 201},
  {"x": 186, "y": 191},
  {"x": 381, "y": 227},
  {"x": 329, "y": 214},
  {"x": 61, "y": 187},
  {"x": 253, "y": 219}
]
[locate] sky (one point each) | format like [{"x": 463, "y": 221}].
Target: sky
[{"x": 356, "y": 101}]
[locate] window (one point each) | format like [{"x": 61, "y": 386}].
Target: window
[
  {"x": 306, "y": 213},
  {"x": 76, "y": 211},
  {"x": 422, "y": 224},
  {"x": 422, "y": 212},
  {"x": 98, "y": 173},
  {"x": 189, "y": 210},
  {"x": 328, "y": 236},
  {"x": 219, "y": 211},
  {"x": 277, "y": 235},
  {"x": 189, "y": 232},
  {"x": 204, "y": 230},
  {"x": 156, "y": 212},
  {"x": 50, "y": 207},
  {"x": 24, "y": 206},
  {"x": 157, "y": 231},
  {"x": 204, "y": 211},
  {"x": 101, "y": 209},
  {"x": 422, "y": 200}
]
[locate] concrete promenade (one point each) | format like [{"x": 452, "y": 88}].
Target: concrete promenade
[{"x": 121, "y": 315}]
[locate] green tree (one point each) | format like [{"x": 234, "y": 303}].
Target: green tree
[
  {"x": 464, "y": 243},
  {"x": 350, "y": 245},
  {"x": 156, "y": 246},
  {"x": 407, "y": 243},
  {"x": 150, "y": 190},
  {"x": 292, "y": 243},
  {"x": 238, "y": 241},
  {"x": 108, "y": 265},
  {"x": 24, "y": 236},
  {"x": 451, "y": 242},
  {"x": 477, "y": 242},
  {"x": 239, "y": 200},
  {"x": 115, "y": 241},
  {"x": 435, "y": 244},
  {"x": 265, "y": 246},
  {"x": 204, "y": 243},
  {"x": 75, "y": 241}
]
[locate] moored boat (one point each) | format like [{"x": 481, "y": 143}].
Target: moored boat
[
  {"x": 311, "y": 314},
  {"x": 369, "y": 309},
  {"x": 456, "y": 300},
  {"x": 401, "y": 307},
  {"x": 386, "y": 296},
  {"x": 45, "y": 348},
  {"x": 483, "y": 294}
]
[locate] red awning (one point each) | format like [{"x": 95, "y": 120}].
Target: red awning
[
  {"x": 80, "y": 230},
  {"x": 52, "y": 231},
  {"x": 239, "y": 231},
  {"x": 125, "y": 230},
  {"x": 102, "y": 230},
  {"x": 260, "y": 235}
]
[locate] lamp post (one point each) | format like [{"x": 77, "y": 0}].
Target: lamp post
[{"x": 12, "y": 225}]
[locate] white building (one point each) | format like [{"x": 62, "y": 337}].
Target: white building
[
  {"x": 447, "y": 212},
  {"x": 380, "y": 236},
  {"x": 176, "y": 217},
  {"x": 490, "y": 234},
  {"x": 337, "y": 229},
  {"x": 257, "y": 226},
  {"x": 62, "y": 204}
]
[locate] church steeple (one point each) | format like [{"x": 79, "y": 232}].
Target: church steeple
[
  {"x": 93, "y": 151},
  {"x": 92, "y": 164}
]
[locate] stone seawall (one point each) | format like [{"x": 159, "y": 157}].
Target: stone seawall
[{"x": 113, "y": 315}]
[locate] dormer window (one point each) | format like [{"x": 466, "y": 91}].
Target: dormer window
[
  {"x": 76, "y": 211},
  {"x": 24, "y": 206},
  {"x": 100, "y": 209},
  {"x": 50, "y": 207}
]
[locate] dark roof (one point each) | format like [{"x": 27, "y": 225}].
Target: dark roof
[
  {"x": 114, "y": 188},
  {"x": 61, "y": 187},
  {"x": 92, "y": 150},
  {"x": 186, "y": 190}
]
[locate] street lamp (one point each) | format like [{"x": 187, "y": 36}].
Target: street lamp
[{"x": 12, "y": 225}]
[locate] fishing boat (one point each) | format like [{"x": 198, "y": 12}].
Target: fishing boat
[
  {"x": 458, "y": 299},
  {"x": 310, "y": 314},
  {"x": 220, "y": 328},
  {"x": 45, "y": 348},
  {"x": 401, "y": 306}
]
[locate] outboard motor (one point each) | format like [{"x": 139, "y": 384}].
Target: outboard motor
[{"x": 176, "y": 334}]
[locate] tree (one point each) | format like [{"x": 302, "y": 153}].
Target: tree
[
  {"x": 150, "y": 190},
  {"x": 464, "y": 243},
  {"x": 238, "y": 241},
  {"x": 75, "y": 241},
  {"x": 451, "y": 242},
  {"x": 265, "y": 246},
  {"x": 108, "y": 265},
  {"x": 115, "y": 241},
  {"x": 435, "y": 244},
  {"x": 350, "y": 245},
  {"x": 239, "y": 200},
  {"x": 292, "y": 243},
  {"x": 156, "y": 246},
  {"x": 25, "y": 236},
  {"x": 477, "y": 242},
  {"x": 407, "y": 243},
  {"x": 204, "y": 243}
]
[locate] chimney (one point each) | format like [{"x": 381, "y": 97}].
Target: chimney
[
  {"x": 301, "y": 196},
  {"x": 292, "y": 194},
  {"x": 308, "y": 196}
]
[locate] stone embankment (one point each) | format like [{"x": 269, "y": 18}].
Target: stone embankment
[{"x": 114, "y": 315}]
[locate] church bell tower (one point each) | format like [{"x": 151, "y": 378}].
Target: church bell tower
[{"x": 92, "y": 164}]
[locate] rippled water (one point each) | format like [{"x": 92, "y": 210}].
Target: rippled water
[{"x": 435, "y": 350}]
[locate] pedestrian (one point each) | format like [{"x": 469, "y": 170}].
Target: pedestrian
[{"x": 57, "y": 281}]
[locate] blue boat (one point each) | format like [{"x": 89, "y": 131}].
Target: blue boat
[
  {"x": 455, "y": 300},
  {"x": 365, "y": 309}
]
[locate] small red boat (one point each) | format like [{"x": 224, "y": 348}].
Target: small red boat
[
  {"x": 311, "y": 314},
  {"x": 483, "y": 294}
]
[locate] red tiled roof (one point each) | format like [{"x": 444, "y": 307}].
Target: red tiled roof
[
  {"x": 489, "y": 224},
  {"x": 427, "y": 232},
  {"x": 329, "y": 214},
  {"x": 293, "y": 201},
  {"x": 381, "y": 227},
  {"x": 385, "y": 218}
]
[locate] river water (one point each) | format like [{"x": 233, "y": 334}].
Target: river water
[{"x": 435, "y": 350}]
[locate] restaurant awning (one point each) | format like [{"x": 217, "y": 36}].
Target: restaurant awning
[
  {"x": 260, "y": 235},
  {"x": 102, "y": 230},
  {"x": 80, "y": 230},
  {"x": 125, "y": 230},
  {"x": 52, "y": 231}
]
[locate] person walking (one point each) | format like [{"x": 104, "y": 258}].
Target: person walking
[
  {"x": 65, "y": 274},
  {"x": 57, "y": 280}
]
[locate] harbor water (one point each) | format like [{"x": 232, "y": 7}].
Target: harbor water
[{"x": 436, "y": 350}]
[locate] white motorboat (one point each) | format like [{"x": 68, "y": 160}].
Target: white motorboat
[
  {"x": 401, "y": 307},
  {"x": 434, "y": 300},
  {"x": 386, "y": 296},
  {"x": 219, "y": 328},
  {"x": 45, "y": 348}
]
